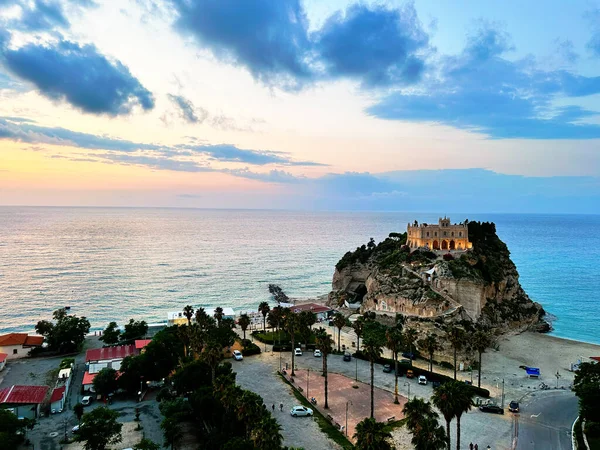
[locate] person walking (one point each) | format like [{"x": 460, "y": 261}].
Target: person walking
[
  {"x": 281, "y": 407},
  {"x": 273, "y": 407},
  {"x": 471, "y": 446},
  {"x": 476, "y": 447}
]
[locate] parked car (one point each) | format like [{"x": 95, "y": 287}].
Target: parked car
[
  {"x": 408, "y": 355},
  {"x": 87, "y": 400},
  {"x": 347, "y": 357},
  {"x": 298, "y": 352},
  {"x": 435, "y": 384},
  {"x": 491, "y": 409},
  {"x": 513, "y": 406},
  {"x": 317, "y": 353},
  {"x": 387, "y": 368},
  {"x": 422, "y": 379},
  {"x": 301, "y": 411},
  {"x": 237, "y": 355},
  {"x": 76, "y": 428},
  {"x": 410, "y": 374}
]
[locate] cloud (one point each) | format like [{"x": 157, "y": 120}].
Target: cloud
[
  {"x": 79, "y": 75},
  {"x": 269, "y": 38},
  {"x": 480, "y": 90},
  {"x": 22, "y": 130},
  {"x": 187, "y": 110},
  {"x": 42, "y": 16},
  {"x": 374, "y": 44},
  {"x": 593, "y": 17}
]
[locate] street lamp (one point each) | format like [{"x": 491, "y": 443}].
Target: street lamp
[
  {"x": 502, "y": 393},
  {"x": 557, "y": 377},
  {"x": 347, "y": 417},
  {"x": 356, "y": 360},
  {"x": 307, "y": 382},
  {"x": 408, "y": 384}
]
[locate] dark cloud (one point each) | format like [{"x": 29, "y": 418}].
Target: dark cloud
[
  {"x": 480, "y": 90},
  {"x": 79, "y": 75},
  {"x": 267, "y": 37},
  {"x": 374, "y": 44},
  {"x": 42, "y": 16},
  {"x": 187, "y": 110}
]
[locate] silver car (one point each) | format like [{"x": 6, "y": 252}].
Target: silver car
[{"x": 301, "y": 411}]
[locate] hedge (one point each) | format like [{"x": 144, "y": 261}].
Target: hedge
[
  {"x": 431, "y": 376},
  {"x": 272, "y": 338},
  {"x": 250, "y": 348}
]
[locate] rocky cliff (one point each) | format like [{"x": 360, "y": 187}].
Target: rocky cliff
[{"x": 480, "y": 285}]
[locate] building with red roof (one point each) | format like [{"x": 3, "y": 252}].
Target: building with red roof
[
  {"x": 58, "y": 398},
  {"x": 23, "y": 401},
  {"x": 18, "y": 345},
  {"x": 107, "y": 354},
  {"x": 3, "y": 357},
  {"x": 141, "y": 343},
  {"x": 320, "y": 311}
]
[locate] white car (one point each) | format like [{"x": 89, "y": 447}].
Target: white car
[
  {"x": 237, "y": 355},
  {"x": 301, "y": 411},
  {"x": 422, "y": 379},
  {"x": 298, "y": 352},
  {"x": 85, "y": 401},
  {"x": 75, "y": 429},
  {"x": 317, "y": 353}
]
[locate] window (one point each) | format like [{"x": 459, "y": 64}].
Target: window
[
  {"x": 460, "y": 234},
  {"x": 445, "y": 233},
  {"x": 428, "y": 234},
  {"x": 14, "y": 351},
  {"x": 452, "y": 234},
  {"x": 435, "y": 234}
]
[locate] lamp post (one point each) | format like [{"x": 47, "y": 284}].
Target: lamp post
[
  {"x": 356, "y": 360},
  {"x": 279, "y": 342},
  {"x": 557, "y": 377},
  {"x": 408, "y": 384},
  {"x": 347, "y": 417},
  {"x": 502, "y": 393},
  {"x": 307, "y": 382}
]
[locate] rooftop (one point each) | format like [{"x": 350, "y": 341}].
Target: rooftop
[
  {"x": 20, "y": 339},
  {"x": 313, "y": 307},
  {"x": 88, "y": 378},
  {"x": 23, "y": 394},
  {"x": 57, "y": 394},
  {"x": 3, "y": 357},
  {"x": 109, "y": 353},
  {"x": 141, "y": 343}
]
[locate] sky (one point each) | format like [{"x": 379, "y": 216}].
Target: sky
[{"x": 320, "y": 105}]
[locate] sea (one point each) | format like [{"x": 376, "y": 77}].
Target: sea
[{"x": 113, "y": 264}]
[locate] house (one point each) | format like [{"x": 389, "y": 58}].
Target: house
[
  {"x": 141, "y": 343},
  {"x": 23, "y": 401},
  {"x": 3, "y": 357},
  {"x": 320, "y": 311},
  {"x": 18, "y": 345},
  {"x": 58, "y": 399},
  {"x": 97, "y": 359},
  {"x": 177, "y": 317}
]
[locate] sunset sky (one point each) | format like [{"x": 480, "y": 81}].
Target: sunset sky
[{"x": 464, "y": 105}]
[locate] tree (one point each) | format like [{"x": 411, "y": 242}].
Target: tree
[
  {"x": 266, "y": 435},
  {"x": 146, "y": 444},
  {"x": 111, "y": 334},
  {"x": 105, "y": 381},
  {"x": 78, "y": 410},
  {"x": 218, "y": 314},
  {"x": 587, "y": 387},
  {"x": 172, "y": 431},
  {"x": 358, "y": 326},
  {"x": 212, "y": 355},
  {"x": 430, "y": 345},
  {"x": 292, "y": 324},
  {"x": 99, "y": 429},
  {"x": 264, "y": 309},
  {"x": 422, "y": 422},
  {"x": 372, "y": 348},
  {"x": 244, "y": 323},
  {"x": 452, "y": 399},
  {"x": 339, "y": 321},
  {"x": 410, "y": 335},
  {"x": 134, "y": 329},
  {"x": 67, "y": 333},
  {"x": 480, "y": 340},
  {"x": 10, "y": 430},
  {"x": 456, "y": 336},
  {"x": 275, "y": 318},
  {"x": 188, "y": 312},
  {"x": 371, "y": 435},
  {"x": 324, "y": 343},
  {"x": 393, "y": 338},
  {"x": 400, "y": 321}
]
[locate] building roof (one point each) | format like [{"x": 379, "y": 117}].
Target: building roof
[
  {"x": 23, "y": 394},
  {"x": 108, "y": 353},
  {"x": 57, "y": 394},
  {"x": 88, "y": 378},
  {"x": 312, "y": 307},
  {"x": 3, "y": 357},
  {"x": 20, "y": 339},
  {"x": 141, "y": 343},
  {"x": 595, "y": 358}
]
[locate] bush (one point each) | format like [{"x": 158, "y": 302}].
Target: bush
[
  {"x": 431, "y": 376},
  {"x": 250, "y": 348},
  {"x": 448, "y": 257},
  {"x": 446, "y": 365}
]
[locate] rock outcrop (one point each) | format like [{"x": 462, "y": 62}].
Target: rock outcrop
[{"x": 480, "y": 285}]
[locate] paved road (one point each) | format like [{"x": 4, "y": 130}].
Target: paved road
[{"x": 546, "y": 419}]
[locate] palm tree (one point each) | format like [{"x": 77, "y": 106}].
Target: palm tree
[
  {"x": 292, "y": 324},
  {"x": 452, "y": 399},
  {"x": 371, "y": 435},
  {"x": 358, "y": 326},
  {"x": 393, "y": 338},
  {"x": 212, "y": 355},
  {"x": 203, "y": 320},
  {"x": 244, "y": 323},
  {"x": 414, "y": 411},
  {"x": 480, "y": 341},
  {"x": 218, "y": 315},
  {"x": 373, "y": 347},
  {"x": 456, "y": 336},
  {"x": 324, "y": 343},
  {"x": 188, "y": 312},
  {"x": 307, "y": 319},
  {"x": 422, "y": 421},
  {"x": 266, "y": 435},
  {"x": 264, "y": 309},
  {"x": 275, "y": 317},
  {"x": 339, "y": 321},
  {"x": 410, "y": 335},
  {"x": 430, "y": 344}
]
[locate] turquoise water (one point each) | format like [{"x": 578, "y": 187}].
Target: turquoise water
[{"x": 118, "y": 263}]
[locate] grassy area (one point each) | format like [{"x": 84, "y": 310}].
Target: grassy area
[{"x": 326, "y": 426}]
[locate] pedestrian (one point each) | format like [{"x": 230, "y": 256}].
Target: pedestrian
[
  {"x": 476, "y": 447},
  {"x": 273, "y": 407},
  {"x": 471, "y": 446},
  {"x": 281, "y": 407}
]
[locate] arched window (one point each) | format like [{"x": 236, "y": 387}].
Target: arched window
[
  {"x": 435, "y": 234},
  {"x": 428, "y": 234},
  {"x": 460, "y": 234},
  {"x": 384, "y": 305}
]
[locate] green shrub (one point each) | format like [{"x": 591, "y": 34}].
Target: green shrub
[{"x": 250, "y": 348}]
